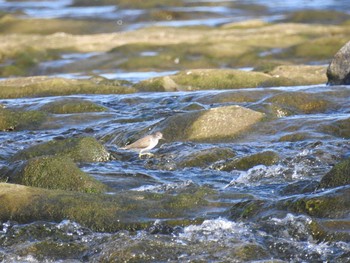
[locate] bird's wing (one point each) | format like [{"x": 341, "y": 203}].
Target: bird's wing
[{"x": 141, "y": 143}]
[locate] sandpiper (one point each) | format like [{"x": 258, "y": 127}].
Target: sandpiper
[{"x": 145, "y": 144}]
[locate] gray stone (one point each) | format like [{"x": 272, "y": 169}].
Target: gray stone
[{"x": 338, "y": 71}]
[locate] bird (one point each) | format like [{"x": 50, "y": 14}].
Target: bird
[{"x": 145, "y": 144}]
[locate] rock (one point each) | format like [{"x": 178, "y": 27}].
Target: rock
[
  {"x": 338, "y": 71},
  {"x": 317, "y": 17},
  {"x": 204, "y": 79},
  {"x": 329, "y": 204},
  {"x": 339, "y": 175},
  {"x": 18, "y": 120},
  {"x": 297, "y": 75},
  {"x": 67, "y": 106},
  {"x": 300, "y": 102},
  {"x": 206, "y": 157},
  {"x": 263, "y": 158},
  {"x": 216, "y": 124},
  {"x": 83, "y": 149},
  {"x": 126, "y": 210},
  {"x": 54, "y": 172},
  {"x": 340, "y": 128},
  {"x": 41, "y": 86}
]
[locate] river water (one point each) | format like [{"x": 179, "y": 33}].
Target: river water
[{"x": 219, "y": 237}]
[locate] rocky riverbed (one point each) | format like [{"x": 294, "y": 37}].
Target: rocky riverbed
[{"x": 255, "y": 162}]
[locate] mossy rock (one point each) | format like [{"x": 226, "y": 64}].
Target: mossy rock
[
  {"x": 293, "y": 75},
  {"x": 46, "y": 86},
  {"x": 301, "y": 102},
  {"x": 322, "y": 48},
  {"x": 10, "y": 24},
  {"x": 83, "y": 149},
  {"x": 53, "y": 172},
  {"x": 331, "y": 230},
  {"x": 267, "y": 158},
  {"x": 317, "y": 17},
  {"x": 294, "y": 137},
  {"x": 339, "y": 175},
  {"x": 18, "y": 120},
  {"x": 128, "y": 210},
  {"x": 329, "y": 204},
  {"x": 217, "y": 124},
  {"x": 67, "y": 106},
  {"x": 250, "y": 252},
  {"x": 206, "y": 157},
  {"x": 340, "y": 128},
  {"x": 204, "y": 79}
]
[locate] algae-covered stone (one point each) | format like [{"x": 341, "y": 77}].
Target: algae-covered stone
[
  {"x": 19, "y": 120},
  {"x": 292, "y": 75},
  {"x": 206, "y": 157},
  {"x": 129, "y": 210},
  {"x": 339, "y": 175},
  {"x": 317, "y": 17},
  {"x": 338, "y": 71},
  {"x": 301, "y": 102},
  {"x": 339, "y": 128},
  {"x": 204, "y": 79},
  {"x": 216, "y": 124},
  {"x": 46, "y": 86},
  {"x": 83, "y": 149},
  {"x": 53, "y": 172},
  {"x": 263, "y": 158},
  {"x": 67, "y": 106},
  {"x": 329, "y": 204}
]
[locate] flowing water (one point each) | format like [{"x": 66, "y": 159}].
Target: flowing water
[{"x": 219, "y": 237}]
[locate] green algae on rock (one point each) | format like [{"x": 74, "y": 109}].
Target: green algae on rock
[
  {"x": 267, "y": 158},
  {"x": 339, "y": 175},
  {"x": 100, "y": 212},
  {"x": 206, "y": 157},
  {"x": 301, "y": 102},
  {"x": 340, "y": 128},
  {"x": 216, "y": 124},
  {"x": 47, "y": 86},
  {"x": 54, "y": 172},
  {"x": 82, "y": 149},
  {"x": 18, "y": 120},
  {"x": 67, "y": 106},
  {"x": 204, "y": 79}
]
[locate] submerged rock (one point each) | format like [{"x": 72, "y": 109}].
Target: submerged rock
[
  {"x": 264, "y": 158},
  {"x": 216, "y": 124},
  {"x": 328, "y": 204},
  {"x": 53, "y": 172},
  {"x": 339, "y": 175},
  {"x": 300, "y": 102},
  {"x": 204, "y": 79},
  {"x": 340, "y": 128},
  {"x": 206, "y": 157},
  {"x": 67, "y": 106},
  {"x": 46, "y": 86},
  {"x": 18, "y": 120},
  {"x": 338, "y": 71},
  {"x": 129, "y": 210},
  {"x": 83, "y": 149}
]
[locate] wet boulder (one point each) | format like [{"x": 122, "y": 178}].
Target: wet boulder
[
  {"x": 67, "y": 106},
  {"x": 340, "y": 128},
  {"x": 216, "y": 124},
  {"x": 204, "y": 79},
  {"x": 263, "y": 158},
  {"x": 338, "y": 71},
  {"x": 339, "y": 175},
  {"x": 82, "y": 149},
  {"x": 300, "y": 102},
  {"x": 53, "y": 172},
  {"x": 334, "y": 203},
  {"x": 41, "y": 86},
  {"x": 127, "y": 210},
  {"x": 206, "y": 157},
  {"x": 18, "y": 120}
]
